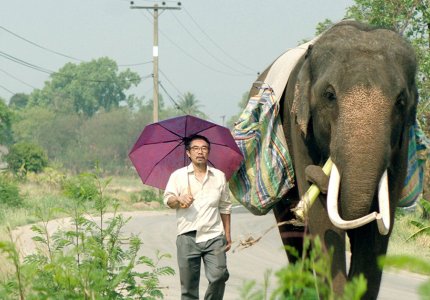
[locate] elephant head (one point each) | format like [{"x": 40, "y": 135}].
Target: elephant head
[{"x": 355, "y": 98}]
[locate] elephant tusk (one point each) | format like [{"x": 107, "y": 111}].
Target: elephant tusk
[
  {"x": 383, "y": 218},
  {"x": 333, "y": 211}
]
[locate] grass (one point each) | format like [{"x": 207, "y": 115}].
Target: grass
[{"x": 400, "y": 244}]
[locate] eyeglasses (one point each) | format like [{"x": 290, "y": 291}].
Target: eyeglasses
[{"x": 197, "y": 149}]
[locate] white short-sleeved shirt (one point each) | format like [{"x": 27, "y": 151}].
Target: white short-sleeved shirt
[{"x": 211, "y": 198}]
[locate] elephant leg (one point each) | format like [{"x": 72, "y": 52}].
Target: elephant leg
[
  {"x": 333, "y": 238},
  {"x": 291, "y": 235},
  {"x": 366, "y": 246}
]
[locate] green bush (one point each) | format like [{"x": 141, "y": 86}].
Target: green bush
[
  {"x": 90, "y": 260},
  {"x": 26, "y": 157},
  {"x": 9, "y": 193},
  {"x": 308, "y": 278},
  {"x": 146, "y": 196},
  {"x": 82, "y": 187}
]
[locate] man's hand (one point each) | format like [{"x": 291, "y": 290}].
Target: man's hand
[
  {"x": 228, "y": 245},
  {"x": 185, "y": 201}
]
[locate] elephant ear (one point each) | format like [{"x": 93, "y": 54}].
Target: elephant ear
[{"x": 300, "y": 109}]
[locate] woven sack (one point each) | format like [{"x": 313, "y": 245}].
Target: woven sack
[
  {"x": 266, "y": 174},
  {"x": 418, "y": 152}
]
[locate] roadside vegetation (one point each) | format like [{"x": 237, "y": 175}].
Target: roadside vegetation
[{"x": 91, "y": 259}]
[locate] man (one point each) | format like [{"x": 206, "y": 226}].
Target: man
[{"x": 199, "y": 193}]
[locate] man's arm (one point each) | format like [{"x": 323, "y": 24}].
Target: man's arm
[
  {"x": 183, "y": 201},
  {"x": 226, "y": 220}
]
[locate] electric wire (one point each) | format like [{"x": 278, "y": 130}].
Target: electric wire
[
  {"x": 195, "y": 59},
  {"x": 17, "y": 79},
  {"x": 189, "y": 55},
  {"x": 216, "y": 45},
  {"x": 6, "y": 89},
  {"x": 62, "y": 54},
  {"x": 171, "y": 83},
  {"x": 39, "y": 46},
  {"x": 25, "y": 63},
  {"x": 180, "y": 96},
  {"x": 177, "y": 106},
  {"x": 206, "y": 50},
  {"x": 50, "y": 72}
]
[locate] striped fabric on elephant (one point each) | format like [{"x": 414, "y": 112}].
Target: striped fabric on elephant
[
  {"x": 418, "y": 153},
  {"x": 267, "y": 172}
]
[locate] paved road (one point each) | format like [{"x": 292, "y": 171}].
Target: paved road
[{"x": 157, "y": 231}]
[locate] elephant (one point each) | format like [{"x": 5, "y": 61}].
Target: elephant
[{"x": 351, "y": 97}]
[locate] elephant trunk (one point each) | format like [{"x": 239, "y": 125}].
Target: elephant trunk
[
  {"x": 358, "y": 188},
  {"x": 360, "y": 163}
]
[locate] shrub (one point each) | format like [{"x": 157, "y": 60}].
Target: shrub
[
  {"x": 146, "y": 196},
  {"x": 308, "y": 278},
  {"x": 82, "y": 187},
  {"x": 9, "y": 193},
  {"x": 90, "y": 260},
  {"x": 26, "y": 157}
]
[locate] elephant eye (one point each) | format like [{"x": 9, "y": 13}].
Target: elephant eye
[
  {"x": 401, "y": 100},
  {"x": 330, "y": 94}
]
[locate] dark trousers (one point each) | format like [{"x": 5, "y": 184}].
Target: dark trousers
[{"x": 190, "y": 254}]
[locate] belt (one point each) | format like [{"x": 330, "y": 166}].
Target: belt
[{"x": 190, "y": 233}]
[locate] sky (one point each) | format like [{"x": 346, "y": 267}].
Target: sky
[{"x": 213, "y": 49}]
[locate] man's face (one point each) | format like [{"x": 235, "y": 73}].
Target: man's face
[{"x": 199, "y": 151}]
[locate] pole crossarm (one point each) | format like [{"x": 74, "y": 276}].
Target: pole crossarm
[{"x": 154, "y": 7}]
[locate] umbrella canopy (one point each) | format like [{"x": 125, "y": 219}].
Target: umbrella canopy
[{"x": 160, "y": 149}]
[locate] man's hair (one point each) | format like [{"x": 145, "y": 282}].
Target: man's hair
[{"x": 188, "y": 140}]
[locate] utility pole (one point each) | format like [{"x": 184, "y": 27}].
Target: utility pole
[{"x": 155, "y": 8}]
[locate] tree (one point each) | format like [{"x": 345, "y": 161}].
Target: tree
[
  {"x": 242, "y": 104},
  {"x": 190, "y": 105},
  {"x": 85, "y": 88},
  {"x": 26, "y": 157},
  {"x": 5, "y": 124},
  {"x": 18, "y": 101}
]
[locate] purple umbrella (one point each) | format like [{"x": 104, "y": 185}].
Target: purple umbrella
[{"x": 160, "y": 149}]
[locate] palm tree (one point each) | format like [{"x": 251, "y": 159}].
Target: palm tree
[{"x": 189, "y": 104}]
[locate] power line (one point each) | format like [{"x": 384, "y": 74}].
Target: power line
[
  {"x": 195, "y": 59},
  {"x": 171, "y": 83},
  {"x": 24, "y": 63},
  {"x": 191, "y": 56},
  {"x": 39, "y": 46},
  {"x": 59, "y": 53},
  {"x": 50, "y": 72},
  {"x": 207, "y": 51},
  {"x": 136, "y": 64},
  {"x": 6, "y": 89},
  {"x": 171, "y": 99},
  {"x": 17, "y": 79},
  {"x": 216, "y": 45},
  {"x": 180, "y": 94}
]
